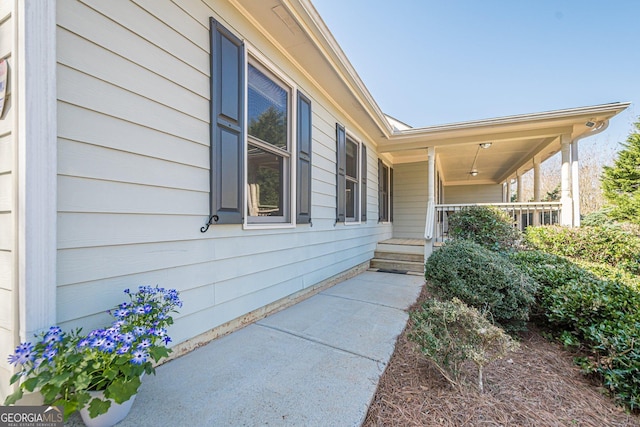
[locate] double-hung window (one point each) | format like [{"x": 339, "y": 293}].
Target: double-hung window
[
  {"x": 385, "y": 192},
  {"x": 268, "y": 147},
  {"x": 351, "y": 178},
  {"x": 260, "y": 139}
]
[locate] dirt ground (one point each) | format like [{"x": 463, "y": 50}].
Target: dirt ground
[{"x": 538, "y": 385}]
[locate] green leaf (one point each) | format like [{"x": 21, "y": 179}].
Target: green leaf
[
  {"x": 82, "y": 381},
  {"x": 98, "y": 407},
  {"x": 13, "y": 397},
  {"x": 121, "y": 390}
]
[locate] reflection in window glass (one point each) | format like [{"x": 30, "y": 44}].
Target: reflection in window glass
[
  {"x": 267, "y": 106},
  {"x": 352, "y": 159},
  {"x": 265, "y": 182}
]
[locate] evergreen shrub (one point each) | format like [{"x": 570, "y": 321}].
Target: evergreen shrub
[{"x": 482, "y": 279}]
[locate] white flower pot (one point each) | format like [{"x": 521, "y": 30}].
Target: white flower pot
[{"x": 115, "y": 414}]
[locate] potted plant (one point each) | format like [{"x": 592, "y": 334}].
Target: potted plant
[{"x": 101, "y": 370}]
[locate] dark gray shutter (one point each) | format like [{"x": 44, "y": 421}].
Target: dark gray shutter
[
  {"x": 381, "y": 212},
  {"x": 391, "y": 194},
  {"x": 304, "y": 161},
  {"x": 227, "y": 126},
  {"x": 341, "y": 177},
  {"x": 363, "y": 185}
]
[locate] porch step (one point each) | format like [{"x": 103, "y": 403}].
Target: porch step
[
  {"x": 402, "y": 255},
  {"x": 397, "y": 265},
  {"x": 398, "y": 256}
]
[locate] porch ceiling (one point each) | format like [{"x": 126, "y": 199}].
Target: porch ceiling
[{"x": 515, "y": 142}]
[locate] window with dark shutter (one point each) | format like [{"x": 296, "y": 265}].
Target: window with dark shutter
[
  {"x": 227, "y": 127},
  {"x": 391, "y": 194},
  {"x": 304, "y": 161},
  {"x": 341, "y": 182},
  {"x": 363, "y": 185}
]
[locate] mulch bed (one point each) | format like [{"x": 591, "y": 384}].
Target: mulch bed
[{"x": 538, "y": 385}]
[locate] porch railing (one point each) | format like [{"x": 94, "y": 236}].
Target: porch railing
[{"x": 523, "y": 214}]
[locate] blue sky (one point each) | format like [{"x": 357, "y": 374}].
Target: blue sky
[{"x": 430, "y": 62}]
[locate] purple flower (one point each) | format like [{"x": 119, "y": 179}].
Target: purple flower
[
  {"x": 127, "y": 338},
  {"x": 55, "y": 330},
  {"x": 145, "y": 343},
  {"x": 24, "y": 353},
  {"x": 139, "y": 357},
  {"x": 108, "y": 345},
  {"x": 123, "y": 349},
  {"x": 147, "y": 308},
  {"x": 139, "y": 330},
  {"x": 139, "y": 310},
  {"x": 50, "y": 353},
  {"x": 121, "y": 313},
  {"x": 84, "y": 342},
  {"x": 52, "y": 337},
  {"x": 166, "y": 339}
]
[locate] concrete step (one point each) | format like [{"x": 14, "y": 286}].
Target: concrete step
[
  {"x": 417, "y": 267},
  {"x": 398, "y": 256},
  {"x": 407, "y": 249}
]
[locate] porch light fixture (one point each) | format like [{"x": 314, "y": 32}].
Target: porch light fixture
[
  {"x": 485, "y": 145},
  {"x": 473, "y": 173}
]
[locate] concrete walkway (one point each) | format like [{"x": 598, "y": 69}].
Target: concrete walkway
[{"x": 316, "y": 363}]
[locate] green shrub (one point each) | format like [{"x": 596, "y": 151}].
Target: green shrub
[
  {"x": 609, "y": 245},
  {"x": 597, "y": 218},
  {"x": 450, "y": 333},
  {"x": 486, "y": 226},
  {"x": 616, "y": 360},
  {"x": 550, "y": 272},
  {"x": 482, "y": 279},
  {"x": 609, "y": 272},
  {"x": 576, "y": 307}
]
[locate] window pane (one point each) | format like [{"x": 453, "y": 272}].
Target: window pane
[
  {"x": 352, "y": 197},
  {"x": 352, "y": 159},
  {"x": 265, "y": 182},
  {"x": 267, "y": 106}
]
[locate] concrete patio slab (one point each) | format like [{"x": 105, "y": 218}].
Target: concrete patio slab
[{"x": 316, "y": 363}]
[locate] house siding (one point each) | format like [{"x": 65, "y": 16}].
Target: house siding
[
  {"x": 133, "y": 173},
  {"x": 410, "y": 199},
  {"x": 473, "y": 194},
  {"x": 8, "y": 289}
]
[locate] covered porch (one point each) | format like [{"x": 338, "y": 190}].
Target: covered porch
[{"x": 441, "y": 169}]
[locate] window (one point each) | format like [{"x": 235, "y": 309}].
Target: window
[
  {"x": 351, "y": 194},
  {"x": 385, "y": 192},
  {"x": 268, "y": 148},
  {"x": 253, "y": 168},
  {"x": 351, "y": 182}
]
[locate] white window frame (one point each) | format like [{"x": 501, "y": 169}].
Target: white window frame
[
  {"x": 258, "y": 60},
  {"x": 358, "y": 216}
]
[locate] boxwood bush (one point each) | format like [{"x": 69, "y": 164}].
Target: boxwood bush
[
  {"x": 489, "y": 227},
  {"x": 482, "y": 279},
  {"x": 602, "y": 244}
]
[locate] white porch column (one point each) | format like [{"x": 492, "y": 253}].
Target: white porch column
[
  {"x": 429, "y": 231},
  {"x": 565, "y": 182},
  {"x": 575, "y": 183},
  {"x": 520, "y": 193},
  {"x": 34, "y": 80},
  {"x": 508, "y": 191},
  {"x": 536, "y": 188}
]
